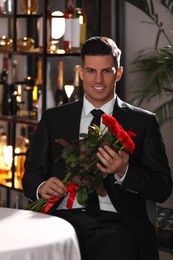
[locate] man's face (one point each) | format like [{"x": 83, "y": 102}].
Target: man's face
[{"x": 99, "y": 77}]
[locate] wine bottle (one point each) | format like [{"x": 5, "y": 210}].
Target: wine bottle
[
  {"x": 34, "y": 101},
  {"x": 39, "y": 78},
  {"x": 68, "y": 15},
  {"x": 3, "y": 79},
  {"x": 50, "y": 96},
  {"x": 9, "y": 93},
  {"x": 78, "y": 27},
  {"x": 4, "y": 73},
  {"x": 21, "y": 147},
  {"x": 3, "y": 144},
  {"x": 2, "y": 6},
  {"x": 29, "y": 6},
  {"x": 9, "y": 6},
  {"x": 77, "y": 93},
  {"x": 49, "y": 27},
  {"x": 6, "y": 90},
  {"x": 36, "y": 90},
  {"x": 60, "y": 95},
  {"x": 50, "y": 100}
]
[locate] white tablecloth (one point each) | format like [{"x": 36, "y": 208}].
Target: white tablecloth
[{"x": 27, "y": 235}]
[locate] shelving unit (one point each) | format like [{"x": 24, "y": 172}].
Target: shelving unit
[
  {"x": 95, "y": 13},
  {"x": 13, "y": 121},
  {"x": 11, "y": 181}
]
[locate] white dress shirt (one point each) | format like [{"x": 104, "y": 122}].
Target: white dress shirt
[{"x": 86, "y": 117}]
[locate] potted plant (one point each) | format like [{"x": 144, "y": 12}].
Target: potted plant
[{"x": 153, "y": 68}]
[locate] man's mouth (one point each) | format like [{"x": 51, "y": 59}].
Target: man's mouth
[{"x": 98, "y": 87}]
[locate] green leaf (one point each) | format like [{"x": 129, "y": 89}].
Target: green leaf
[
  {"x": 82, "y": 197},
  {"x": 143, "y": 5},
  {"x": 72, "y": 158},
  {"x": 154, "y": 71},
  {"x": 147, "y": 6}
]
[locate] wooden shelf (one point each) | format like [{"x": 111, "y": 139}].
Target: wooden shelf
[{"x": 18, "y": 119}]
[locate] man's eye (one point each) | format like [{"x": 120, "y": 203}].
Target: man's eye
[
  {"x": 107, "y": 70},
  {"x": 90, "y": 70}
]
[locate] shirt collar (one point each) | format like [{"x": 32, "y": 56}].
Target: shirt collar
[{"x": 106, "y": 108}]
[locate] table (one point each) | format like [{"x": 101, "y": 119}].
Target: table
[{"x": 27, "y": 235}]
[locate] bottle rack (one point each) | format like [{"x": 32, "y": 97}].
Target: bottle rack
[{"x": 13, "y": 121}]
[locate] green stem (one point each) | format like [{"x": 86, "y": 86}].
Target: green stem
[
  {"x": 36, "y": 205},
  {"x": 105, "y": 127},
  {"x": 67, "y": 178}
]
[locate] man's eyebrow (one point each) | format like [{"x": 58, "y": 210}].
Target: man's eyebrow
[
  {"x": 106, "y": 68},
  {"x": 89, "y": 68},
  {"x": 110, "y": 68}
]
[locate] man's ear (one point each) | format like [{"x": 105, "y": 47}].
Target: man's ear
[
  {"x": 80, "y": 72},
  {"x": 119, "y": 73}
]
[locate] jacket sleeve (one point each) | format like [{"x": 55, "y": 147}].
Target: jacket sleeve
[
  {"x": 149, "y": 174},
  {"x": 36, "y": 163}
]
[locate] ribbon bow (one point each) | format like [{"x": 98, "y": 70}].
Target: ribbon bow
[{"x": 72, "y": 189}]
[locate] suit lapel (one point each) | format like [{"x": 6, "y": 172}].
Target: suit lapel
[
  {"x": 120, "y": 111},
  {"x": 74, "y": 124}
]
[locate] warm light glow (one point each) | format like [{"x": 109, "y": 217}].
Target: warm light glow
[
  {"x": 58, "y": 25},
  {"x": 19, "y": 93},
  {"x": 17, "y": 150},
  {"x": 8, "y": 152},
  {"x": 69, "y": 90}
]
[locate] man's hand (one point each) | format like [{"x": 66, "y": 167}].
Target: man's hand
[
  {"x": 53, "y": 187},
  {"x": 112, "y": 162}
]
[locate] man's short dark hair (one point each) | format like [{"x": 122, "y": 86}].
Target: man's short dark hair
[{"x": 100, "y": 45}]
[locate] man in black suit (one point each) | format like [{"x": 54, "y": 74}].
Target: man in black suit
[{"x": 121, "y": 229}]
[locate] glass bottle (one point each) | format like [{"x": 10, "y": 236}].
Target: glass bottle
[
  {"x": 4, "y": 73},
  {"x": 22, "y": 145},
  {"x": 36, "y": 90},
  {"x": 2, "y": 6},
  {"x": 77, "y": 93},
  {"x": 78, "y": 27},
  {"x": 68, "y": 15},
  {"x": 3, "y": 80},
  {"x": 3, "y": 143},
  {"x": 50, "y": 100},
  {"x": 39, "y": 78},
  {"x": 29, "y": 6},
  {"x": 9, "y": 6},
  {"x": 34, "y": 101},
  {"x": 60, "y": 95},
  {"x": 9, "y": 102}
]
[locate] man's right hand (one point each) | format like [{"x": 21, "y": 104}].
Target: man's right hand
[{"x": 51, "y": 188}]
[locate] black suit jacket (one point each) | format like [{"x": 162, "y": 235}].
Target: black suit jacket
[{"x": 148, "y": 175}]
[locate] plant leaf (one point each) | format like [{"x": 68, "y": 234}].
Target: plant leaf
[{"x": 154, "y": 71}]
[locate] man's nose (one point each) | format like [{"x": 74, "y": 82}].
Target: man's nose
[{"x": 99, "y": 77}]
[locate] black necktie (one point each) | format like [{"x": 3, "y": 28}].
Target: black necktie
[
  {"x": 92, "y": 205},
  {"x": 96, "y": 116}
]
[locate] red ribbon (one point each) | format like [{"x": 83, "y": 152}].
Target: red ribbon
[
  {"x": 50, "y": 204},
  {"x": 72, "y": 189}
]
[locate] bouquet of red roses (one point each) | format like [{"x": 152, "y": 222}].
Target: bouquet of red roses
[{"x": 82, "y": 175}]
